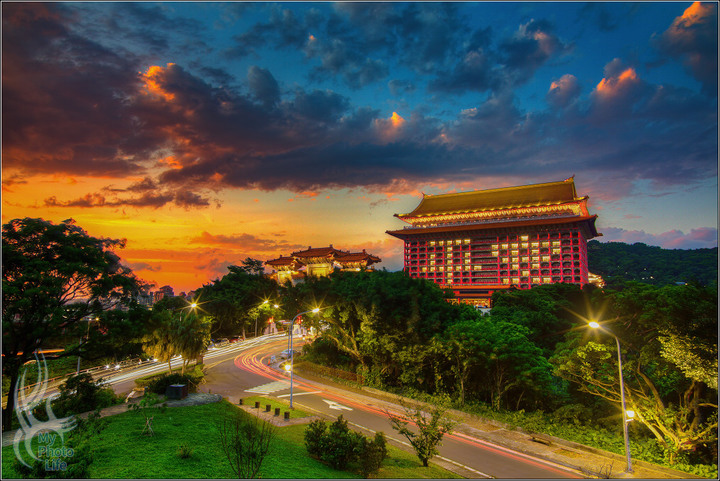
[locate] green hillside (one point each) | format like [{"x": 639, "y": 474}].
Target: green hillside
[{"x": 617, "y": 262}]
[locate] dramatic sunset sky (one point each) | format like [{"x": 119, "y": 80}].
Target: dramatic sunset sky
[{"x": 204, "y": 133}]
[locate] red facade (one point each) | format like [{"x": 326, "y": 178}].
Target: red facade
[{"x": 476, "y": 243}]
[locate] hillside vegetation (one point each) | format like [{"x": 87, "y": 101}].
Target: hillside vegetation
[{"x": 617, "y": 262}]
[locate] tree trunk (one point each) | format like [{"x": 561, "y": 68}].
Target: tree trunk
[{"x": 10, "y": 407}]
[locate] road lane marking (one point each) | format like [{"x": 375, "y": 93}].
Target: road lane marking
[
  {"x": 299, "y": 394},
  {"x": 269, "y": 387},
  {"x": 337, "y": 406}
]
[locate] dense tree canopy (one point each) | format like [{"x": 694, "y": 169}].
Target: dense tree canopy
[
  {"x": 617, "y": 262},
  {"x": 54, "y": 276}
]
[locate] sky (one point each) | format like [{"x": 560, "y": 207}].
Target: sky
[{"x": 206, "y": 133}]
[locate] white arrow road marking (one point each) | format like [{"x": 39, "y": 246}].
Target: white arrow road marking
[{"x": 336, "y": 406}]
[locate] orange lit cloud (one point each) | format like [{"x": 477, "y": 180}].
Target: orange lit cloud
[
  {"x": 614, "y": 86},
  {"x": 153, "y": 79},
  {"x": 388, "y": 129}
]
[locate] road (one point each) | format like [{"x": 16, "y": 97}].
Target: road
[
  {"x": 249, "y": 374},
  {"x": 241, "y": 369}
]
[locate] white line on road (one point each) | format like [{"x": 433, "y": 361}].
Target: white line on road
[{"x": 299, "y": 394}]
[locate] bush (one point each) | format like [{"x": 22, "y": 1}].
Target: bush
[
  {"x": 81, "y": 394},
  {"x": 338, "y": 446},
  {"x": 313, "y": 437},
  {"x": 370, "y": 454},
  {"x": 159, "y": 384}
]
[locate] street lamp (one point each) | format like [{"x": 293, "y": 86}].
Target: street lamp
[
  {"x": 290, "y": 333},
  {"x": 627, "y": 415},
  {"x": 87, "y": 337}
]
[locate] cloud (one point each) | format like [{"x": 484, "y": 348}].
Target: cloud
[
  {"x": 693, "y": 38},
  {"x": 703, "y": 237},
  {"x": 186, "y": 200},
  {"x": 563, "y": 91},
  {"x": 244, "y": 242},
  {"x": 263, "y": 85}
]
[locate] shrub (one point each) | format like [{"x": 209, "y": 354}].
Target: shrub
[
  {"x": 338, "y": 446},
  {"x": 370, "y": 454},
  {"x": 184, "y": 451},
  {"x": 313, "y": 437},
  {"x": 159, "y": 384},
  {"x": 81, "y": 394}
]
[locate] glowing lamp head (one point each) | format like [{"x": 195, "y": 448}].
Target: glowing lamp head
[
  {"x": 630, "y": 413},
  {"x": 275, "y": 306},
  {"x": 316, "y": 310},
  {"x": 265, "y": 301},
  {"x": 594, "y": 324},
  {"x": 288, "y": 367},
  {"x": 193, "y": 305}
]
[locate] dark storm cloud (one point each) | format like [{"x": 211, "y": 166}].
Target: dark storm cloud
[
  {"x": 693, "y": 39},
  {"x": 184, "y": 199},
  {"x": 62, "y": 96},
  {"x": 263, "y": 85}
]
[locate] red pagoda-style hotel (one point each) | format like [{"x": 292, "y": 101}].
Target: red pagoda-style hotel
[{"x": 482, "y": 241}]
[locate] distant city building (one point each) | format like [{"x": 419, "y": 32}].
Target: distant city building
[
  {"x": 164, "y": 291},
  {"x": 482, "y": 241},
  {"x": 319, "y": 262}
]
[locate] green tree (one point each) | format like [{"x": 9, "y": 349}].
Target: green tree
[
  {"x": 431, "y": 428},
  {"x": 670, "y": 389},
  {"x": 54, "y": 275},
  {"x": 231, "y": 302}
]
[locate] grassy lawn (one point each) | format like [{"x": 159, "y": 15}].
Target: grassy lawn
[{"x": 122, "y": 452}]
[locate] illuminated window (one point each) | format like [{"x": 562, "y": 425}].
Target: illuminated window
[
  {"x": 424, "y": 269},
  {"x": 516, "y": 266},
  {"x": 506, "y": 281},
  {"x": 546, "y": 244},
  {"x": 516, "y": 281},
  {"x": 431, "y": 243},
  {"x": 441, "y": 269},
  {"x": 525, "y": 273},
  {"x": 535, "y": 252},
  {"x": 524, "y": 245},
  {"x": 536, "y": 280},
  {"x": 514, "y": 245},
  {"x": 504, "y": 246},
  {"x": 525, "y": 259},
  {"x": 466, "y": 241},
  {"x": 449, "y": 249},
  {"x": 515, "y": 252},
  {"x": 546, "y": 258},
  {"x": 556, "y": 251},
  {"x": 458, "y": 242},
  {"x": 477, "y": 268},
  {"x": 535, "y": 244},
  {"x": 432, "y": 262},
  {"x": 546, "y": 280},
  {"x": 536, "y": 265},
  {"x": 441, "y": 243},
  {"x": 555, "y": 243},
  {"x": 523, "y": 237},
  {"x": 505, "y": 259}
]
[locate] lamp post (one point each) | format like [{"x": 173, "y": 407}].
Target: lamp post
[
  {"x": 290, "y": 333},
  {"x": 627, "y": 415},
  {"x": 87, "y": 336}
]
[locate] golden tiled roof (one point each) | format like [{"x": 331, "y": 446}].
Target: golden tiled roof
[
  {"x": 550, "y": 193},
  {"x": 586, "y": 221}
]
